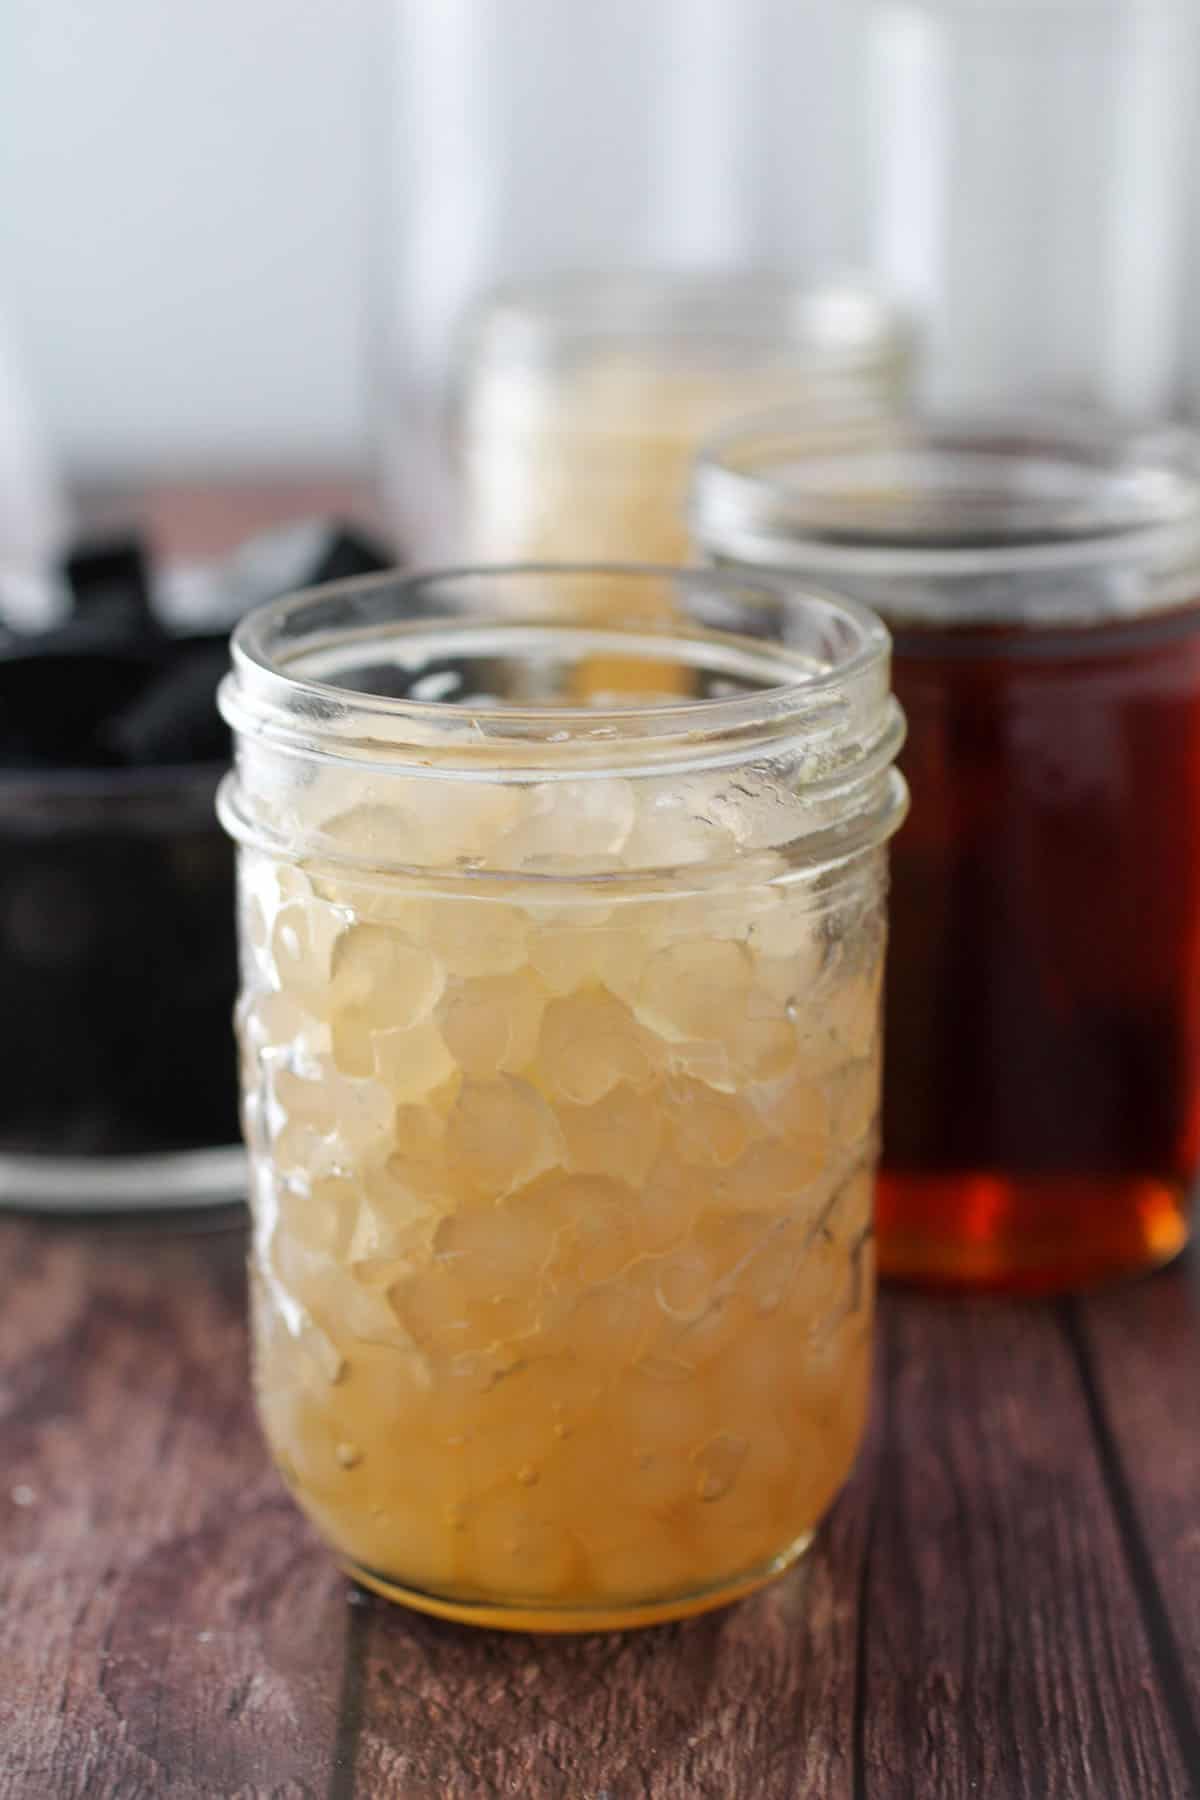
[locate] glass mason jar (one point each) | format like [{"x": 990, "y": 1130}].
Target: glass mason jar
[
  {"x": 1042, "y": 584},
  {"x": 559, "y": 1028},
  {"x": 584, "y": 397}
]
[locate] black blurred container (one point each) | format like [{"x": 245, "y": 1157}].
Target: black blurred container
[{"x": 117, "y": 963}]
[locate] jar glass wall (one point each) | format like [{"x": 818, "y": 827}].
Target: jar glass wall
[
  {"x": 560, "y": 1040},
  {"x": 1042, "y": 583}
]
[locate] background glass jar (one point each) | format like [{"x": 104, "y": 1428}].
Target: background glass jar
[
  {"x": 584, "y": 397},
  {"x": 559, "y": 1029},
  {"x": 1042, "y": 583}
]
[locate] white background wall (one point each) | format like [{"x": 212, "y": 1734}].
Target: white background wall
[
  {"x": 204, "y": 204},
  {"x": 184, "y": 208},
  {"x": 209, "y": 207}
]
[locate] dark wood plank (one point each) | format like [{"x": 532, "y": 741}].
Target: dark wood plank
[
  {"x": 168, "y": 1627},
  {"x": 1139, "y": 1351},
  {"x": 755, "y": 1703},
  {"x": 1005, "y": 1652},
  {"x": 969, "y": 1624}
]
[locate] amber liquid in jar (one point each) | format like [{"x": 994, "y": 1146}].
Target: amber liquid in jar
[{"x": 1042, "y": 1051}]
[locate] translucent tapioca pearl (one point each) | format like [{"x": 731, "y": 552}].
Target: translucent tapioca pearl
[
  {"x": 729, "y": 1241},
  {"x": 500, "y": 1135},
  {"x": 598, "y": 1240},
  {"x": 647, "y": 1413},
  {"x": 704, "y": 1060},
  {"x": 575, "y": 953},
  {"x": 380, "y": 985},
  {"x": 684, "y": 1280},
  {"x": 385, "y": 1400},
  {"x": 412, "y": 1063},
  {"x": 324, "y": 1125},
  {"x": 391, "y": 981},
  {"x": 264, "y": 886},
  {"x": 354, "y": 1116},
  {"x": 606, "y": 1328},
  {"x": 316, "y": 1357},
  {"x": 770, "y": 1176},
  {"x": 576, "y": 821},
  {"x": 490, "y": 1024},
  {"x": 352, "y": 1041},
  {"x": 590, "y": 1043},
  {"x": 271, "y": 1020},
  {"x": 502, "y": 1245},
  {"x": 790, "y": 928},
  {"x": 797, "y": 1110},
  {"x": 433, "y": 1305},
  {"x": 571, "y": 954},
  {"x": 407, "y": 821},
  {"x": 302, "y": 940},
  {"x": 356, "y": 1313},
  {"x": 617, "y": 1135},
  {"x": 450, "y": 1310},
  {"x": 674, "y": 828},
  {"x": 320, "y": 1214},
  {"x": 706, "y": 1126},
  {"x": 696, "y": 989},
  {"x": 713, "y": 1333},
  {"x": 667, "y": 1206},
  {"x": 761, "y": 1048},
  {"x": 479, "y": 937},
  {"x": 767, "y": 1284},
  {"x": 394, "y": 1223},
  {"x": 401, "y": 906}
]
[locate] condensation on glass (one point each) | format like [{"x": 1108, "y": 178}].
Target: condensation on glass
[
  {"x": 1042, "y": 584},
  {"x": 559, "y": 1028}
]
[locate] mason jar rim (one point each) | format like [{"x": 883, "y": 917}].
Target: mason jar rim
[
  {"x": 285, "y": 653},
  {"x": 946, "y": 495}
]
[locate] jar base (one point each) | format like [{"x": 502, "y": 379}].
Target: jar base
[
  {"x": 1026, "y": 1234},
  {"x": 522, "y": 1615}
]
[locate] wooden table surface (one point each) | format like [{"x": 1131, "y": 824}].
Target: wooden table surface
[{"x": 1005, "y": 1602}]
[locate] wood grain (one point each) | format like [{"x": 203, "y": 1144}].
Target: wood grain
[
  {"x": 974, "y": 1621},
  {"x": 1006, "y": 1655},
  {"x": 755, "y": 1702},
  {"x": 1139, "y": 1354},
  {"x": 167, "y": 1625}
]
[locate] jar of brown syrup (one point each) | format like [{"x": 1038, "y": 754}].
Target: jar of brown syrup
[{"x": 1042, "y": 1049}]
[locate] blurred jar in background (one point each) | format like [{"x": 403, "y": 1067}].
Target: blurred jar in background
[
  {"x": 585, "y": 396},
  {"x": 1041, "y": 581},
  {"x": 1031, "y": 193},
  {"x": 527, "y": 137}
]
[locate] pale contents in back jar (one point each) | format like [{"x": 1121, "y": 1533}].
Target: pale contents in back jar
[{"x": 563, "y": 1264}]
